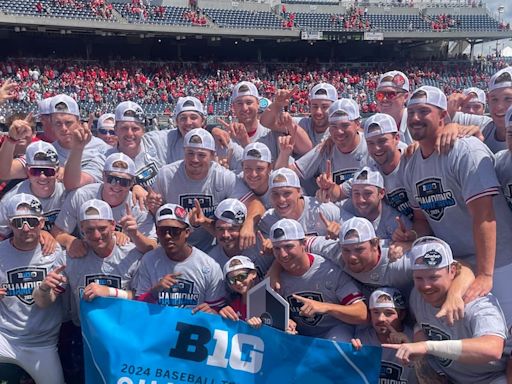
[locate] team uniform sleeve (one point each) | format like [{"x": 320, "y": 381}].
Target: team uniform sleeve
[
  {"x": 484, "y": 318},
  {"x": 329, "y": 249},
  {"x": 94, "y": 167},
  {"x": 309, "y": 165},
  {"x": 347, "y": 292}
]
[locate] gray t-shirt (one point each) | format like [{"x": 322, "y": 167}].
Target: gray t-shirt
[
  {"x": 489, "y": 132},
  {"x": 503, "y": 172},
  {"x": 241, "y": 187},
  {"x": 200, "y": 280},
  {"x": 22, "y": 322},
  {"x": 442, "y": 186},
  {"x": 51, "y": 205},
  {"x": 306, "y": 123},
  {"x": 117, "y": 270},
  {"x": 482, "y": 317}
]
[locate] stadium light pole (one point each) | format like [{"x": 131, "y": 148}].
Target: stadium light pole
[{"x": 501, "y": 9}]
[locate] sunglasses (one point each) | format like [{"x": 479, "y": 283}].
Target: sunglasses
[
  {"x": 38, "y": 171},
  {"x": 19, "y": 222},
  {"x": 238, "y": 278},
  {"x": 115, "y": 180},
  {"x": 391, "y": 95},
  {"x": 174, "y": 232},
  {"x": 108, "y": 132}
]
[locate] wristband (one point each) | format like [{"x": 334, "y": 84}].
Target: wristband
[
  {"x": 113, "y": 292},
  {"x": 445, "y": 349},
  {"x": 122, "y": 294}
]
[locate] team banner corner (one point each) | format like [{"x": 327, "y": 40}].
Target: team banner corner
[{"x": 130, "y": 342}]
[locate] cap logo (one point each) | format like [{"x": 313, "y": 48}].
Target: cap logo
[
  {"x": 49, "y": 155},
  {"x": 120, "y": 164},
  {"x": 135, "y": 113},
  {"x": 91, "y": 211},
  {"x": 234, "y": 263},
  {"x": 254, "y": 153},
  {"x": 431, "y": 258},
  {"x": 196, "y": 139},
  {"x": 278, "y": 232},
  {"x": 61, "y": 107},
  {"x": 503, "y": 78},
  {"x": 279, "y": 179},
  {"x": 398, "y": 80},
  {"x": 237, "y": 217},
  {"x": 34, "y": 205},
  {"x": 384, "y": 298},
  {"x": 180, "y": 212}
]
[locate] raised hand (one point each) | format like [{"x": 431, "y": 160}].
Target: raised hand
[
  {"x": 139, "y": 196},
  {"x": 154, "y": 200},
  {"x": 7, "y": 90},
  {"x": 166, "y": 282},
  {"x": 129, "y": 223},
  {"x": 402, "y": 234},
  {"x": 265, "y": 245},
  {"x": 283, "y": 96},
  {"x": 94, "y": 290},
  {"x": 396, "y": 337},
  {"x": 333, "y": 228},
  {"x": 21, "y": 128},
  {"x": 81, "y": 136},
  {"x": 236, "y": 131},
  {"x": 196, "y": 215},
  {"x": 54, "y": 280}
]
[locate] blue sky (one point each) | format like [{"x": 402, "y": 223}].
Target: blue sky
[{"x": 494, "y": 4}]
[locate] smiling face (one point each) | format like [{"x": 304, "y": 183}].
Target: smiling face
[
  {"x": 286, "y": 202},
  {"x": 98, "y": 234},
  {"x": 197, "y": 162},
  {"x": 367, "y": 200},
  {"x": 172, "y": 236},
  {"x": 433, "y": 284},
  {"x": 424, "y": 121},
  {"x": 42, "y": 180},
  {"x": 245, "y": 109},
  {"x": 256, "y": 173},
  {"x": 189, "y": 120},
  {"x": 114, "y": 193},
  {"x": 227, "y": 235},
  {"x": 345, "y": 134},
  {"x": 499, "y": 100},
  {"x": 242, "y": 280},
  {"x": 382, "y": 148},
  {"x": 129, "y": 136},
  {"x": 318, "y": 109},
  {"x": 291, "y": 254},
  {"x": 391, "y": 100},
  {"x": 360, "y": 257}
]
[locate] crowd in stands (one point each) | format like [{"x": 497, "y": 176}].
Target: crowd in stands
[
  {"x": 354, "y": 20},
  {"x": 100, "y": 8},
  {"x": 195, "y": 17},
  {"x": 443, "y": 22}
]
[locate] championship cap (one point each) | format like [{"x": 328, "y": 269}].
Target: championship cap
[
  {"x": 188, "y": 103},
  {"x": 231, "y": 211},
  {"x": 433, "y": 96},
  {"x": 43, "y": 106},
  {"x": 64, "y": 104},
  {"x": 286, "y": 229},
  {"x": 103, "y": 122},
  {"x": 96, "y": 210},
  {"x": 283, "y": 177},
  {"x": 379, "y": 124},
  {"x": 430, "y": 253},
  {"x": 501, "y": 79},
  {"x": 129, "y": 111},
  {"x": 508, "y": 118},
  {"x": 387, "y": 297},
  {"x": 356, "y": 230},
  {"x": 257, "y": 151},
  {"x": 23, "y": 204},
  {"x": 244, "y": 88},
  {"x": 119, "y": 162},
  {"x": 395, "y": 79},
  {"x": 172, "y": 212},
  {"x": 480, "y": 95},
  {"x": 343, "y": 110},
  {"x": 41, "y": 153},
  {"x": 368, "y": 176},
  {"x": 199, "y": 138},
  {"x": 236, "y": 263},
  {"x": 323, "y": 91},
  {"x": 264, "y": 103}
]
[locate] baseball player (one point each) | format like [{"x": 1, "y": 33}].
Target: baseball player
[
  {"x": 43, "y": 107},
  {"x": 475, "y": 102},
  {"x": 504, "y": 161},
  {"x": 105, "y": 129}
]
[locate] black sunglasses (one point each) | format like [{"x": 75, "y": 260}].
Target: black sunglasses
[
  {"x": 113, "y": 180},
  {"x": 174, "y": 232},
  {"x": 19, "y": 222},
  {"x": 38, "y": 171},
  {"x": 240, "y": 278},
  {"x": 109, "y": 132}
]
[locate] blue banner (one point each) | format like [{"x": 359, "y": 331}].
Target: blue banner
[{"x": 129, "y": 342}]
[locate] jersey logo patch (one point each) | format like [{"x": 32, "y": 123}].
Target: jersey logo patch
[
  {"x": 179, "y": 295},
  {"x": 434, "y": 333},
  {"x": 398, "y": 199},
  {"x": 22, "y": 282},
  {"x": 205, "y": 201},
  {"x": 432, "y": 198},
  {"x": 339, "y": 177},
  {"x": 146, "y": 176},
  {"x": 112, "y": 281},
  {"x": 390, "y": 373},
  {"x": 295, "y": 306}
]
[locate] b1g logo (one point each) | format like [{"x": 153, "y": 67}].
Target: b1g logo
[
  {"x": 205, "y": 201},
  {"x": 339, "y": 177},
  {"x": 432, "y": 198},
  {"x": 398, "y": 199},
  {"x": 22, "y": 282},
  {"x": 295, "y": 306},
  {"x": 194, "y": 344},
  {"x": 434, "y": 333},
  {"x": 391, "y": 373}
]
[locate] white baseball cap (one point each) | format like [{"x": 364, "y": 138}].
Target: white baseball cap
[
  {"x": 23, "y": 204},
  {"x": 119, "y": 162},
  {"x": 508, "y": 118},
  {"x": 358, "y": 226},
  {"x": 283, "y": 177},
  {"x": 430, "y": 253},
  {"x": 41, "y": 153},
  {"x": 368, "y": 176},
  {"x": 286, "y": 229},
  {"x": 433, "y": 96},
  {"x": 236, "y": 263},
  {"x": 501, "y": 79},
  {"x": 188, "y": 103},
  {"x": 129, "y": 111},
  {"x": 44, "y": 106},
  {"x": 323, "y": 91},
  {"x": 231, "y": 211},
  {"x": 96, "y": 210},
  {"x": 64, "y": 104},
  {"x": 395, "y": 79},
  {"x": 257, "y": 151},
  {"x": 343, "y": 110},
  {"x": 172, "y": 212},
  {"x": 379, "y": 124},
  {"x": 244, "y": 88},
  {"x": 199, "y": 138},
  {"x": 103, "y": 123},
  {"x": 387, "y": 297},
  {"x": 480, "y": 95}
]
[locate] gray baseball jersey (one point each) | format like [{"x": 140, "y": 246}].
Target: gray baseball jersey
[
  {"x": 442, "y": 186},
  {"x": 51, "y": 205},
  {"x": 68, "y": 218},
  {"x": 241, "y": 187},
  {"x": 482, "y": 317},
  {"x": 309, "y": 219},
  {"x": 118, "y": 270},
  {"x": 396, "y": 196},
  {"x": 261, "y": 262},
  {"x": 267, "y": 137},
  {"x": 200, "y": 280},
  {"x": 177, "y": 188},
  {"x": 503, "y": 166},
  {"x": 391, "y": 370},
  {"x": 307, "y": 124},
  {"x": 325, "y": 282},
  {"x": 405, "y": 135},
  {"x": 21, "y": 321},
  {"x": 489, "y": 132},
  {"x": 93, "y": 157}
]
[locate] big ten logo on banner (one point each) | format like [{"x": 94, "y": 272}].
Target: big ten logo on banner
[{"x": 245, "y": 351}]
